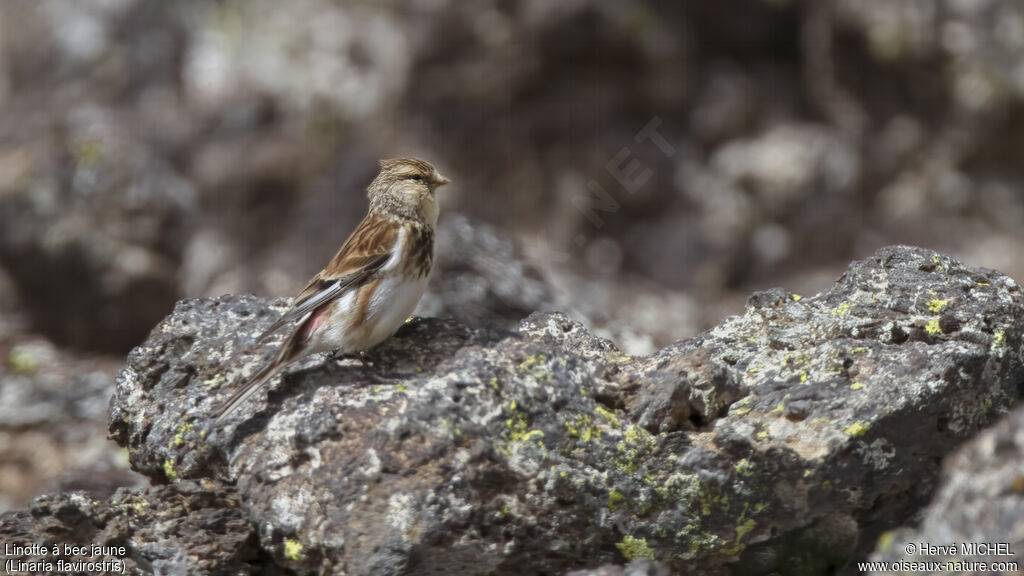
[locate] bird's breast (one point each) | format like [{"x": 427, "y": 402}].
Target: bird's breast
[
  {"x": 394, "y": 300},
  {"x": 366, "y": 316}
]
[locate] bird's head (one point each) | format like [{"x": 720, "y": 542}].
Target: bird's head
[{"x": 406, "y": 187}]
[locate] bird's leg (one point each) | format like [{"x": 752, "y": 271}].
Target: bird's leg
[
  {"x": 340, "y": 356},
  {"x": 366, "y": 365}
]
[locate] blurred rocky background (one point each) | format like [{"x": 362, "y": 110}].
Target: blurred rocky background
[{"x": 642, "y": 165}]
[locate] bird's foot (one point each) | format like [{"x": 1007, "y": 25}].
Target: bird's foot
[{"x": 365, "y": 363}]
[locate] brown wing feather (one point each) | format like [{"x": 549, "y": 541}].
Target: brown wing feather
[
  {"x": 367, "y": 249},
  {"x": 375, "y": 235},
  {"x": 364, "y": 253}
]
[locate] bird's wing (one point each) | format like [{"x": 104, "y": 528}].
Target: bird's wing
[{"x": 365, "y": 252}]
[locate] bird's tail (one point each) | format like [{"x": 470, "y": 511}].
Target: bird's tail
[
  {"x": 248, "y": 388},
  {"x": 289, "y": 351}
]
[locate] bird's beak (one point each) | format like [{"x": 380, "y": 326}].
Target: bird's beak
[{"x": 441, "y": 180}]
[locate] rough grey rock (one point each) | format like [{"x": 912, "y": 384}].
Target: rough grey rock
[
  {"x": 481, "y": 278},
  {"x": 53, "y": 420},
  {"x": 783, "y": 440},
  {"x": 191, "y": 527},
  {"x": 979, "y": 502},
  {"x": 641, "y": 567},
  {"x": 91, "y": 228}
]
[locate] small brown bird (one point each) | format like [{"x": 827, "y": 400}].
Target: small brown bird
[{"x": 372, "y": 284}]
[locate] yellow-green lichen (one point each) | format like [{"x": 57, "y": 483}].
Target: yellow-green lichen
[
  {"x": 22, "y": 361},
  {"x": 179, "y": 438},
  {"x": 998, "y": 340},
  {"x": 400, "y": 387},
  {"x": 932, "y": 327},
  {"x": 582, "y": 428},
  {"x": 217, "y": 381},
  {"x": 686, "y": 531},
  {"x": 744, "y": 468},
  {"x": 292, "y": 550},
  {"x": 857, "y": 429},
  {"x": 796, "y": 297},
  {"x": 519, "y": 430},
  {"x": 797, "y": 358},
  {"x": 169, "y": 470},
  {"x": 88, "y": 153},
  {"x": 680, "y": 488},
  {"x": 615, "y": 498},
  {"x": 885, "y": 542},
  {"x": 633, "y": 548},
  {"x": 741, "y": 406},
  {"x": 843, "y": 309},
  {"x": 856, "y": 386},
  {"x": 711, "y": 496},
  {"x": 635, "y": 444},
  {"x": 608, "y": 415},
  {"x": 614, "y": 356},
  {"x": 934, "y": 305},
  {"x": 698, "y": 538},
  {"x": 781, "y": 406},
  {"x": 535, "y": 366},
  {"x": 526, "y": 436},
  {"x": 741, "y": 530},
  {"x": 494, "y": 382},
  {"x": 741, "y": 410}
]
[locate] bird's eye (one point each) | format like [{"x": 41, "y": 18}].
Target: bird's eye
[{"x": 417, "y": 178}]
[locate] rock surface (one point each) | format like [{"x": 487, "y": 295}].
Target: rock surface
[
  {"x": 787, "y": 439},
  {"x": 53, "y": 421},
  {"x": 641, "y": 567},
  {"x": 481, "y": 278},
  {"x": 92, "y": 226},
  {"x": 980, "y": 502},
  {"x": 186, "y": 528}
]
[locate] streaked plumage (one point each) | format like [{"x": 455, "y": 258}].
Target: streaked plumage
[{"x": 371, "y": 285}]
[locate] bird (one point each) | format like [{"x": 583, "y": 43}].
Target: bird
[{"x": 373, "y": 283}]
